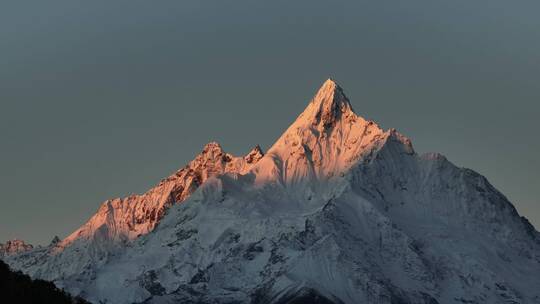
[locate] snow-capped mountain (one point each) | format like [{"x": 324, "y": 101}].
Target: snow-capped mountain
[{"x": 337, "y": 211}]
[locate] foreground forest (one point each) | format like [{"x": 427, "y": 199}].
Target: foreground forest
[{"x": 16, "y": 287}]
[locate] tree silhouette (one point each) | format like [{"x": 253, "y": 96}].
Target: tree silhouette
[{"x": 16, "y": 287}]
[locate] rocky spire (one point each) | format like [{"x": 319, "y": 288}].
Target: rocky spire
[
  {"x": 328, "y": 105},
  {"x": 254, "y": 155},
  {"x": 323, "y": 142},
  {"x": 55, "y": 241}
]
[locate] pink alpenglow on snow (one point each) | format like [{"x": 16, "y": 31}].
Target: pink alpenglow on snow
[{"x": 123, "y": 219}]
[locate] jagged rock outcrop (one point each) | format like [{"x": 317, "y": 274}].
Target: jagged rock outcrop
[
  {"x": 13, "y": 247},
  {"x": 326, "y": 139}
]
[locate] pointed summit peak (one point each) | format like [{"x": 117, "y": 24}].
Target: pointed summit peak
[
  {"x": 328, "y": 105},
  {"x": 323, "y": 142},
  {"x": 330, "y": 83},
  {"x": 330, "y": 92},
  {"x": 212, "y": 152}
]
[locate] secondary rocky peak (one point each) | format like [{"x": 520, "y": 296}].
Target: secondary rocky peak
[
  {"x": 212, "y": 147},
  {"x": 55, "y": 241},
  {"x": 15, "y": 246},
  {"x": 254, "y": 155},
  {"x": 328, "y": 105},
  {"x": 211, "y": 155}
]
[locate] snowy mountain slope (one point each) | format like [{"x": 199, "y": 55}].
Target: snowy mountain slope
[
  {"x": 337, "y": 211},
  {"x": 120, "y": 220}
]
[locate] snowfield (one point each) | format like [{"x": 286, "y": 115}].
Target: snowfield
[{"x": 337, "y": 211}]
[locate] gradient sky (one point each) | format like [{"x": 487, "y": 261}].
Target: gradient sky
[{"x": 100, "y": 99}]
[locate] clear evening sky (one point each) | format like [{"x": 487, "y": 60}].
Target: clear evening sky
[{"x": 101, "y": 99}]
